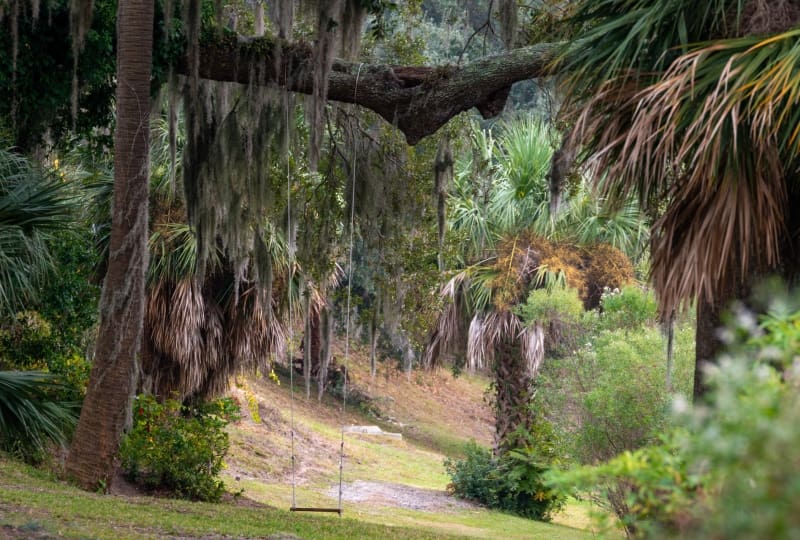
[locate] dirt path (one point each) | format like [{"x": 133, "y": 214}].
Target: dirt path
[{"x": 398, "y": 496}]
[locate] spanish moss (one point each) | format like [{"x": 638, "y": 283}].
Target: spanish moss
[
  {"x": 80, "y": 20},
  {"x": 507, "y": 12},
  {"x": 443, "y": 171}
]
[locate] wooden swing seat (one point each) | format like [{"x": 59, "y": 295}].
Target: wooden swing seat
[{"x": 311, "y": 509}]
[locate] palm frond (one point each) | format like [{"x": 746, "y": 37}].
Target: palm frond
[
  {"x": 633, "y": 39},
  {"x": 30, "y": 418},
  {"x": 717, "y": 134},
  {"x": 524, "y": 152},
  {"x": 32, "y": 206}
]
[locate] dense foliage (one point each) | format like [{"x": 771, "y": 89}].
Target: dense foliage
[
  {"x": 722, "y": 469},
  {"x": 514, "y": 481},
  {"x": 177, "y": 448}
]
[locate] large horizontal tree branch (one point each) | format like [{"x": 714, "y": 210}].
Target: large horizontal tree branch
[{"x": 418, "y": 100}]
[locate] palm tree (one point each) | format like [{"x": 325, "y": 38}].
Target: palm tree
[
  {"x": 508, "y": 236},
  {"x": 201, "y": 325},
  {"x": 111, "y": 383},
  {"x": 692, "y": 107}
]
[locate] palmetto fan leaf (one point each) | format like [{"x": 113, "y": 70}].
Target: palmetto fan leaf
[
  {"x": 30, "y": 418},
  {"x": 521, "y": 199},
  {"x": 32, "y": 205}
]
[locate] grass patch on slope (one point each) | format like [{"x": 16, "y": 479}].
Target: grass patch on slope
[{"x": 35, "y": 503}]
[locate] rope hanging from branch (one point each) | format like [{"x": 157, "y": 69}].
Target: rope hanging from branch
[{"x": 294, "y": 507}]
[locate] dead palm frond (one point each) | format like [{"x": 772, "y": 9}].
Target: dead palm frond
[{"x": 716, "y": 136}]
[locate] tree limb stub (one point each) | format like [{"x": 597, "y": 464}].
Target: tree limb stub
[{"x": 417, "y": 100}]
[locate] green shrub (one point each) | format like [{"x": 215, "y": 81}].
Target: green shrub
[
  {"x": 177, "y": 448},
  {"x": 471, "y": 477},
  {"x": 514, "y": 481},
  {"x": 729, "y": 471},
  {"x": 612, "y": 398},
  {"x": 651, "y": 490},
  {"x": 56, "y": 328},
  {"x": 629, "y": 308},
  {"x": 28, "y": 342},
  {"x": 745, "y": 437},
  {"x": 559, "y": 311},
  {"x": 25, "y": 341},
  {"x": 620, "y": 390}
]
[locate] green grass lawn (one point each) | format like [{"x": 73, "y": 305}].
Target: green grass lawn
[{"x": 37, "y": 505}]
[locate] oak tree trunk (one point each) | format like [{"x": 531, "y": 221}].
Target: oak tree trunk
[{"x": 91, "y": 460}]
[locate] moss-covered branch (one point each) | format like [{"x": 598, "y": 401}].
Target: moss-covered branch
[{"x": 418, "y": 100}]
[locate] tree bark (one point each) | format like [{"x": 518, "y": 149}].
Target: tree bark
[
  {"x": 707, "y": 344},
  {"x": 418, "y": 100},
  {"x": 513, "y": 394},
  {"x": 91, "y": 460},
  {"x": 326, "y": 340}
]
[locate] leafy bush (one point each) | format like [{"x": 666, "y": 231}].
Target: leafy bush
[
  {"x": 55, "y": 330},
  {"x": 613, "y": 399},
  {"x": 177, "y": 448},
  {"x": 629, "y": 308},
  {"x": 559, "y": 311},
  {"x": 471, "y": 477},
  {"x": 621, "y": 393},
  {"x": 25, "y": 340},
  {"x": 745, "y": 437},
  {"x": 729, "y": 470},
  {"x": 650, "y": 489},
  {"x": 514, "y": 481}
]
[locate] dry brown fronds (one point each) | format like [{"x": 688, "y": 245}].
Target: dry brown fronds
[
  {"x": 197, "y": 340},
  {"x": 706, "y": 139}
]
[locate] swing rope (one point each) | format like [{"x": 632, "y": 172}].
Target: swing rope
[
  {"x": 294, "y": 507},
  {"x": 289, "y": 294}
]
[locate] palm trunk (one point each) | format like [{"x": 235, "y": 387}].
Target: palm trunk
[
  {"x": 709, "y": 319},
  {"x": 308, "y": 345},
  {"x": 513, "y": 394},
  {"x": 707, "y": 346},
  {"x": 326, "y": 338},
  {"x": 91, "y": 460}
]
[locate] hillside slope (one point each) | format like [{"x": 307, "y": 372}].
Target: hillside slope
[{"x": 387, "y": 480}]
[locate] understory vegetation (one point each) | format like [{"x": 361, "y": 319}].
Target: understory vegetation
[{"x": 177, "y": 448}]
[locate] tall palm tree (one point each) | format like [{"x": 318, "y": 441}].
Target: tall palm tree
[
  {"x": 480, "y": 326},
  {"x": 111, "y": 383},
  {"x": 501, "y": 205},
  {"x": 692, "y": 107}
]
